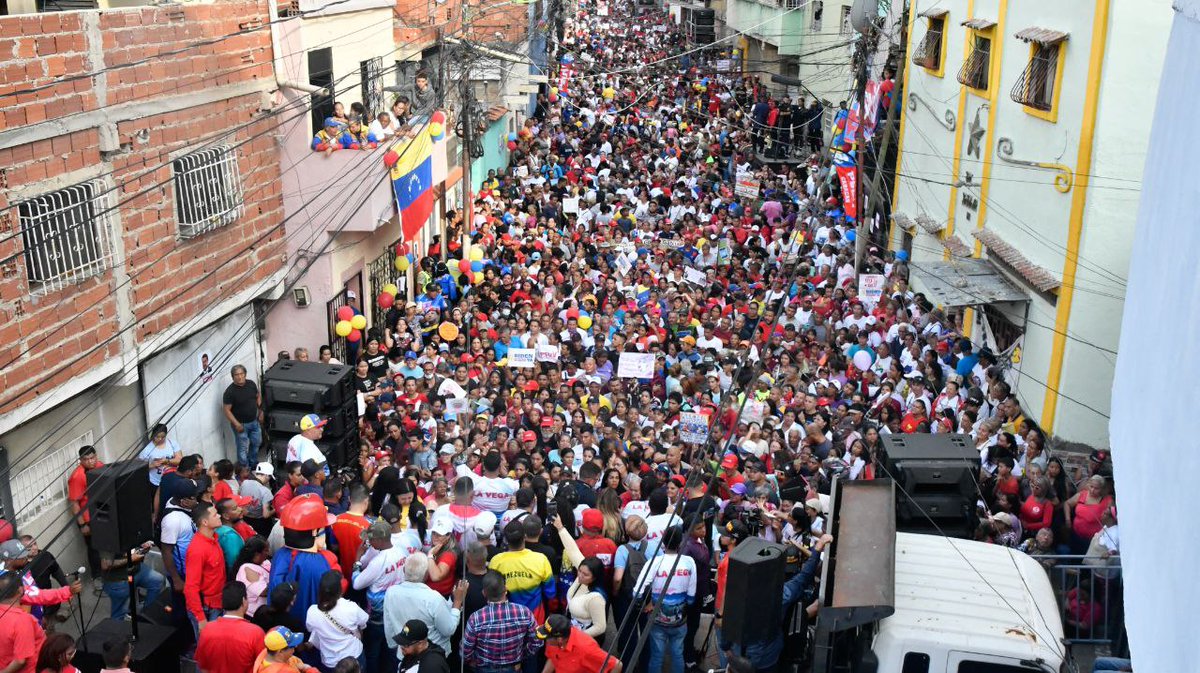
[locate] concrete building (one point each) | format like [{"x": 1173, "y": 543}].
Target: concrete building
[
  {"x": 141, "y": 236},
  {"x": 1022, "y": 143}
]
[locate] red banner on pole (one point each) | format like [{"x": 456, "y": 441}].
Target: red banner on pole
[{"x": 849, "y": 180}]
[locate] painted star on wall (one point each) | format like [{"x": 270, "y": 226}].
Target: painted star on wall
[{"x": 976, "y": 131}]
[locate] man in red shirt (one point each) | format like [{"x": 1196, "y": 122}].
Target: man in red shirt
[
  {"x": 77, "y": 497},
  {"x": 349, "y": 526},
  {"x": 21, "y": 636},
  {"x": 230, "y": 644},
  {"x": 593, "y": 542},
  {"x": 729, "y": 474},
  {"x": 293, "y": 481},
  {"x": 569, "y": 650},
  {"x": 204, "y": 578}
]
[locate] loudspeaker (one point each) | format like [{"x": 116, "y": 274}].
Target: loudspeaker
[
  {"x": 119, "y": 499},
  {"x": 753, "y": 591},
  {"x": 936, "y": 475},
  {"x": 313, "y": 386},
  {"x": 153, "y": 651},
  {"x": 703, "y": 17},
  {"x": 286, "y": 420}
]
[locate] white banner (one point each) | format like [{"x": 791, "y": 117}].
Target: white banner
[
  {"x": 635, "y": 365},
  {"x": 754, "y": 412},
  {"x": 521, "y": 358},
  {"x": 547, "y": 353},
  {"x": 457, "y": 405},
  {"x": 695, "y": 276},
  {"x": 570, "y": 205},
  {"x": 870, "y": 287},
  {"x": 693, "y": 427}
]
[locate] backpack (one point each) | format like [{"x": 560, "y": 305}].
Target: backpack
[{"x": 633, "y": 569}]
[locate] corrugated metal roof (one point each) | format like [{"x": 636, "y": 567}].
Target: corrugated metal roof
[
  {"x": 979, "y": 24},
  {"x": 1041, "y": 35},
  {"x": 946, "y": 592},
  {"x": 496, "y": 112},
  {"x": 935, "y": 12},
  {"x": 964, "y": 282}
]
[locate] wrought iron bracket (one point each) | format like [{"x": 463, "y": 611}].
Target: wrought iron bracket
[
  {"x": 1064, "y": 179},
  {"x": 947, "y": 121}
]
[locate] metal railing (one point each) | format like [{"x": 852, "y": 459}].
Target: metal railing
[
  {"x": 1090, "y": 598},
  {"x": 1035, "y": 86},
  {"x": 380, "y": 272},
  {"x": 929, "y": 53},
  {"x": 66, "y": 235},
  {"x": 208, "y": 190},
  {"x": 974, "y": 72}
]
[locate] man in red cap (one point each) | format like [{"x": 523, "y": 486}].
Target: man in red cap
[
  {"x": 593, "y": 542},
  {"x": 729, "y": 474}
]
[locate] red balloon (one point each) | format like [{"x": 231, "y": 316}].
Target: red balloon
[
  {"x": 345, "y": 313},
  {"x": 470, "y": 275},
  {"x": 390, "y": 158},
  {"x": 354, "y": 337},
  {"x": 464, "y": 265},
  {"x": 512, "y": 145},
  {"x": 385, "y": 300},
  {"x": 573, "y": 313}
]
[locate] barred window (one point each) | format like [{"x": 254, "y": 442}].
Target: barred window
[
  {"x": 847, "y": 28},
  {"x": 976, "y": 69},
  {"x": 208, "y": 190},
  {"x": 41, "y": 487},
  {"x": 1039, "y": 83},
  {"x": 65, "y": 235},
  {"x": 818, "y": 8},
  {"x": 928, "y": 54}
]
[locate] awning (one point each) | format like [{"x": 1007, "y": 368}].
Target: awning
[
  {"x": 1038, "y": 276},
  {"x": 1042, "y": 36},
  {"x": 929, "y": 224},
  {"x": 979, "y": 24},
  {"x": 903, "y": 221},
  {"x": 935, "y": 12},
  {"x": 964, "y": 282}
]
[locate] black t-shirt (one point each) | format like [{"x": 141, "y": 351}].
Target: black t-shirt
[
  {"x": 243, "y": 401},
  {"x": 377, "y": 364}
]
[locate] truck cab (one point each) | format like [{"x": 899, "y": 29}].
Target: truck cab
[{"x": 895, "y": 602}]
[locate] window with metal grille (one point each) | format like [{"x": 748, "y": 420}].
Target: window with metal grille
[
  {"x": 208, "y": 190},
  {"x": 929, "y": 52},
  {"x": 974, "y": 72},
  {"x": 818, "y": 8},
  {"x": 1035, "y": 87},
  {"x": 65, "y": 234},
  {"x": 42, "y": 486},
  {"x": 371, "y": 76}
]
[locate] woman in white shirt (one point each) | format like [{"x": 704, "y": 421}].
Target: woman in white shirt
[
  {"x": 335, "y": 624},
  {"x": 586, "y": 603}
]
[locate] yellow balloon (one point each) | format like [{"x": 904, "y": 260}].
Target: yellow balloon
[
  {"x": 359, "y": 322},
  {"x": 391, "y": 289},
  {"x": 479, "y": 277},
  {"x": 435, "y": 129},
  {"x": 476, "y": 255},
  {"x": 343, "y": 328},
  {"x": 402, "y": 264},
  {"x": 452, "y": 267},
  {"x": 585, "y": 321}
]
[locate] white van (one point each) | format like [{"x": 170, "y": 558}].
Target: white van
[{"x": 933, "y": 605}]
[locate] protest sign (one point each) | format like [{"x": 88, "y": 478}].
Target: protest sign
[
  {"x": 754, "y": 412},
  {"x": 695, "y": 276},
  {"x": 521, "y": 358},
  {"x": 693, "y": 427},
  {"x": 547, "y": 353},
  {"x": 571, "y": 205},
  {"x": 457, "y": 405},
  {"x": 746, "y": 186},
  {"x": 870, "y": 287},
  {"x": 635, "y": 365}
]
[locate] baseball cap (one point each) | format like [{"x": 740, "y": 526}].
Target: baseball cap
[
  {"x": 13, "y": 549},
  {"x": 738, "y": 488},
  {"x": 484, "y": 526},
  {"x": 529, "y": 436},
  {"x": 243, "y": 500},
  {"x": 334, "y": 123},
  {"x": 265, "y": 469},
  {"x": 378, "y": 530},
  {"x": 592, "y": 519},
  {"x": 281, "y": 638},
  {"x": 311, "y": 421},
  {"x": 447, "y": 449},
  {"x": 735, "y": 529},
  {"x": 691, "y": 340},
  {"x": 547, "y": 422},
  {"x": 730, "y": 461},
  {"x": 442, "y": 526},
  {"x": 556, "y": 626},
  {"x": 414, "y": 631}
]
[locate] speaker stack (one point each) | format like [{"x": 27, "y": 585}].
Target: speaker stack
[
  {"x": 938, "y": 473},
  {"x": 701, "y": 28},
  {"x": 294, "y": 389},
  {"x": 753, "y": 591}
]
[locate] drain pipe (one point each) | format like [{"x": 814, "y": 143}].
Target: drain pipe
[{"x": 277, "y": 59}]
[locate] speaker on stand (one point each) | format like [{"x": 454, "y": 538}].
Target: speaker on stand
[
  {"x": 293, "y": 389},
  {"x": 753, "y": 591},
  {"x": 118, "y": 501}
]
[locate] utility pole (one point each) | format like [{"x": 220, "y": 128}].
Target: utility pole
[
  {"x": 468, "y": 126},
  {"x": 892, "y": 121},
  {"x": 444, "y": 229},
  {"x": 860, "y": 146}
]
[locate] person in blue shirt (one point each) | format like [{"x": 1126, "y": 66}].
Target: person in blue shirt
[{"x": 967, "y": 362}]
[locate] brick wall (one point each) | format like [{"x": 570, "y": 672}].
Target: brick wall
[{"x": 58, "y": 327}]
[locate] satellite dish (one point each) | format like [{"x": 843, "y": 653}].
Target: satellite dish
[{"x": 864, "y": 14}]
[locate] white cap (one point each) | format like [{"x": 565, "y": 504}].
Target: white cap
[
  {"x": 266, "y": 469},
  {"x": 351, "y": 294},
  {"x": 484, "y": 526},
  {"x": 447, "y": 449},
  {"x": 442, "y": 526}
]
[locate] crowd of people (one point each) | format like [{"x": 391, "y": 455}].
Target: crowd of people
[{"x": 576, "y": 514}]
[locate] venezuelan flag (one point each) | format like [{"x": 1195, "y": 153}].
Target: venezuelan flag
[{"x": 412, "y": 180}]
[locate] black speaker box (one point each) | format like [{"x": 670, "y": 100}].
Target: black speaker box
[
  {"x": 153, "y": 651},
  {"x": 753, "y": 591},
  {"x": 704, "y": 17},
  {"x": 309, "y": 385},
  {"x": 119, "y": 501},
  {"x": 286, "y": 420}
]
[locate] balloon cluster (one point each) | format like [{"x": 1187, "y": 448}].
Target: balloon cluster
[
  {"x": 582, "y": 318},
  {"x": 404, "y": 257},
  {"x": 470, "y": 266},
  {"x": 350, "y": 324}
]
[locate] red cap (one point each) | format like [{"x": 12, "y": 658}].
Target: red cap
[
  {"x": 529, "y": 436},
  {"x": 467, "y": 359},
  {"x": 532, "y": 387},
  {"x": 547, "y": 422},
  {"x": 380, "y": 455},
  {"x": 679, "y": 479},
  {"x": 730, "y": 461},
  {"x": 242, "y": 500},
  {"x": 822, "y": 401},
  {"x": 592, "y": 520}
]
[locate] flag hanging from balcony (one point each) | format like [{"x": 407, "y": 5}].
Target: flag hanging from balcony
[
  {"x": 411, "y": 165},
  {"x": 843, "y": 163}
]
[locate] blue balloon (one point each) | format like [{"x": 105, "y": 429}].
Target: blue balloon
[
  {"x": 902, "y": 255},
  {"x": 512, "y": 136},
  {"x": 477, "y": 266},
  {"x": 850, "y": 235}
]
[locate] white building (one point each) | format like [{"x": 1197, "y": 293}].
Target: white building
[{"x": 1024, "y": 133}]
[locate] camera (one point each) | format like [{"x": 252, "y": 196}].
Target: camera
[{"x": 751, "y": 517}]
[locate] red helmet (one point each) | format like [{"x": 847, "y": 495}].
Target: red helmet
[{"x": 306, "y": 512}]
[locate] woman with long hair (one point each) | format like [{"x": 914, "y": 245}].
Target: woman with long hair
[
  {"x": 443, "y": 559},
  {"x": 587, "y": 604},
  {"x": 253, "y": 569},
  {"x": 609, "y": 504},
  {"x": 56, "y": 654},
  {"x": 335, "y": 624}
]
